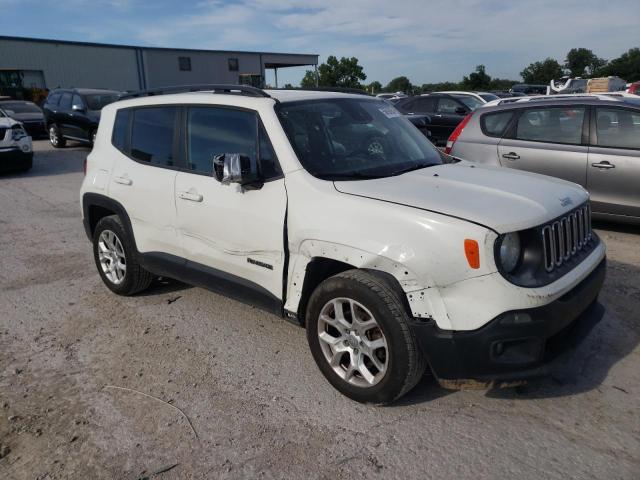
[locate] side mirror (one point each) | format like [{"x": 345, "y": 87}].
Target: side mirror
[
  {"x": 77, "y": 108},
  {"x": 461, "y": 111},
  {"x": 236, "y": 168}
]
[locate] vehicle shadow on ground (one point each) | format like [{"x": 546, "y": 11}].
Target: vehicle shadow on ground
[{"x": 162, "y": 286}]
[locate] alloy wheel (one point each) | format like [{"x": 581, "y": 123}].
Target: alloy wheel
[
  {"x": 352, "y": 342},
  {"x": 53, "y": 136},
  {"x": 111, "y": 256}
]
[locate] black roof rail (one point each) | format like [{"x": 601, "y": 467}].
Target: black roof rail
[
  {"x": 214, "y": 88},
  {"x": 356, "y": 91}
]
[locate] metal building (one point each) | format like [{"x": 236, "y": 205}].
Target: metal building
[{"x": 39, "y": 63}]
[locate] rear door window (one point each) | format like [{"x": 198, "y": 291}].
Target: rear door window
[
  {"x": 618, "y": 128},
  {"x": 551, "y": 125},
  {"x": 447, "y": 105},
  {"x": 152, "y": 135},
  {"x": 53, "y": 99},
  {"x": 494, "y": 124},
  {"x": 65, "y": 101}
]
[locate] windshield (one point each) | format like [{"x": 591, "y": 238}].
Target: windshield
[
  {"x": 97, "y": 101},
  {"x": 469, "y": 101},
  {"x": 21, "y": 107},
  {"x": 350, "y": 138}
]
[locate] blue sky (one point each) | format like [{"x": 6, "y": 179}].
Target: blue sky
[{"x": 426, "y": 40}]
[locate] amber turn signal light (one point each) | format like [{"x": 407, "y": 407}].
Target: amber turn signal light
[{"x": 472, "y": 252}]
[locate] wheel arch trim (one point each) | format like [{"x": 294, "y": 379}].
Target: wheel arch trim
[
  {"x": 313, "y": 250},
  {"x": 90, "y": 200}
]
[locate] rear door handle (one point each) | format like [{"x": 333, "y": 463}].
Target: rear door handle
[
  {"x": 604, "y": 165},
  {"x": 123, "y": 180},
  {"x": 191, "y": 196},
  {"x": 511, "y": 156}
]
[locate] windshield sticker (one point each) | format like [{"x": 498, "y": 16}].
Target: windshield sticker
[{"x": 389, "y": 111}]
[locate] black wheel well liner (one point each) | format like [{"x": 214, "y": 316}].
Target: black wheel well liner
[
  {"x": 320, "y": 268},
  {"x": 317, "y": 271},
  {"x": 96, "y": 206}
]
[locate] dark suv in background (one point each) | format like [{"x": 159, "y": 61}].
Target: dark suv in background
[
  {"x": 445, "y": 111},
  {"x": 74, "y": 114}
]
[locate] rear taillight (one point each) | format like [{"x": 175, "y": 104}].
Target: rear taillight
[
  {"x": 456, "y": 133},
  {"x": 84, "y": 166}
]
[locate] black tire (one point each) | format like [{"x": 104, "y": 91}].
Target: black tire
[
  {"x": 55, "y": 137},
  {"x": 136, "y": 279},
  {"x": 406, "y": 364}
]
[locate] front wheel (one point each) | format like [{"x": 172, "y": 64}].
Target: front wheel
[{"x": 359, "y": 334}]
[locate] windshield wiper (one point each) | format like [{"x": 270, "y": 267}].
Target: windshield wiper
[
  {"x": 412, "y": 168},
  {"x": 349, "y": 176}
]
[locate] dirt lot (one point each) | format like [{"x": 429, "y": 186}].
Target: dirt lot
[{"x": 235, "y": 391}]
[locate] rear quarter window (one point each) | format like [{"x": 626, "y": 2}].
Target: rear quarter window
[
  {"x": 495, "y": 124},
  {"x": 120, "y": 135}
]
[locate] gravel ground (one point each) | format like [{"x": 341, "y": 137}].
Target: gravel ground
[{"x": 95, "y": 386}]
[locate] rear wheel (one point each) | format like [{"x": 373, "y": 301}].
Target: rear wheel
[
  {"x": 55, "y": 137},
  {"x": 114, "y": 254},
  {"x": 359, "y": 334}
]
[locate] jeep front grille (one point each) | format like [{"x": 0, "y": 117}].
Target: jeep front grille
[{"x": 565, "y": 237}]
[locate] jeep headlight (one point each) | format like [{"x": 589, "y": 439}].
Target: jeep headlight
[{"x": 509, "y": 251}]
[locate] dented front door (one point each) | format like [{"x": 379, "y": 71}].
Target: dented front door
[{"x": 229, "y": 229}]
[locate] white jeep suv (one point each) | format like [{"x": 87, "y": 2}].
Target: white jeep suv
[{"x": 335, "y": 212}]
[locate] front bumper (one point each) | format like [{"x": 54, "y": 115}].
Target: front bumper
[
  {"x": 15, "y": 159},
  {"x": 513, "y": 346}
]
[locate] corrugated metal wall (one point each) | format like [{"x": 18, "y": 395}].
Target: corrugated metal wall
[
  {"x": 162, "y": 68},
  {"x": 65, "y": 65},
  {"x": 130, "y": 68}
]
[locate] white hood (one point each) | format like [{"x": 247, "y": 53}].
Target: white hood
[{"x": 502, "y": 199}]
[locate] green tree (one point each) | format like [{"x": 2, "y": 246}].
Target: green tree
[
  {"x": 478, "y": 80},
  {"x": 439, "y": 87},
  {"x": 582, "y": 62},
  {"x": 345, "y": 73},
  {"x": 399, "y": 84},
  {"x": 626, "y": 66},
  {"x": 501, "y": 84},
  {"x": 374, "y": 87},
  {"x": 542, "y": 72}
]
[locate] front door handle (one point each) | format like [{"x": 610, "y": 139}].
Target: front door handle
[
  {"x": 511, "y": 156},
  {"x": 191, "y": 196},
  {"x": 123, "y": 180},
  {"x": 438, "y": 115},
  {"x": 603, "y": 164}
]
